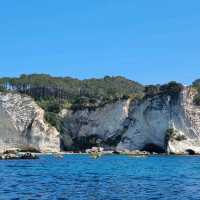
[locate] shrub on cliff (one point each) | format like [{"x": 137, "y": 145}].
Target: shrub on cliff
[
  {"x": 172, "y": 133},
  {"x": 53, "y": 119},
  {"x": 196, "y": 83},
  {"x": 151, "y": 90},
  {"x": 196, "y": 86},
  {"x": 196, "y": 100},
  {"x": 172, "y": 88},
  {"x": 50, "y": 105}
]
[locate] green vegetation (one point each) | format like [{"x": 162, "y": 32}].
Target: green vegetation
[
  {"x": 56, "y": 93},
  {"x": 196, "y": 87},
  {"x": 172, "y": 133},
  {"x": 196, "y": 100},
  {"x": 152, "y": 90},
  {"x": 53, "y": 119},
  {"x": 172, "y": 89},
  {"x": 196, "y": 84},
  {"x": 45, "y": 87}
]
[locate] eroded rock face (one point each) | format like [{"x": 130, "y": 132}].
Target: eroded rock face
[
  {"x": 22, "y": 125},
  {"x": 151, "y": 119},
  {"x": 103, "y": 124},
  {"x": 130, "y": 125},
  {"x": 190, "y": 128}
]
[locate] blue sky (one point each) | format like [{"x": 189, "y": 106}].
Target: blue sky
[{"x": 147, "y": 41}]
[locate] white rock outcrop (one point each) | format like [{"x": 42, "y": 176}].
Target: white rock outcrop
[
  {"x": 140, "y": 123},
  {"x": 22, "y": 125},
  {"x": 151, "y": 118},
  {"x": 104, "y": 122}
]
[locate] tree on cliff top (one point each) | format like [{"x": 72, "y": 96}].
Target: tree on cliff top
[
  {"x": 171, "y": 88},
  {"x": 42, "y": 86}
]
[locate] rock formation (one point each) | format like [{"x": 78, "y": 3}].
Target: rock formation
[
  {"x": 152, "y": 118},
  {"x": 161, "y": 123},
  {"x": 106, "y": 124},
  {"x": 140, "y": 125},
  {"x": 22, "y": 125}
]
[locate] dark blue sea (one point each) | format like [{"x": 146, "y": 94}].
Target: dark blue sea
[{"x": 109, "y": 178}]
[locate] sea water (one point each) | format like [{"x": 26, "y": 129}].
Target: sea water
[{"x": 80, "y": 177}]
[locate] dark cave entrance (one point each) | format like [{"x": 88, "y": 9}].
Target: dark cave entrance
[{"x": 153, "y": 148}]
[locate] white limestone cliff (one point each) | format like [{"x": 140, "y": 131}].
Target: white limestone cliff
[
  {"x": 140, "y": 123},
  {"x": 151, "y": 119},
  {"x": 104, "y": 122},
  {"x": 133, "y": 125},
  {"x": 22, "y": 125}
]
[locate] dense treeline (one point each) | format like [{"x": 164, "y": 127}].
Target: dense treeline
[
  {"x": 55, "y": 93},
  {"x": 42, "y": 86},
  {"x": 172, "y": 89}
]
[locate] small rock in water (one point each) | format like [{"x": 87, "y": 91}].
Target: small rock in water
[
  {"x": 16, "y": 156},
  {"x": 28, "y": 156}
]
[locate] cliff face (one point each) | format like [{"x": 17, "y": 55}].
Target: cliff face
[
  {"x": 22, "y": 125},
  {"x": 135, "y": 126},
  {"x": 189, "y": 125},
  {"x": 105, "y": 124},
  {"x": 168, "y": 123},
  {"x": 154, "y": 117}
]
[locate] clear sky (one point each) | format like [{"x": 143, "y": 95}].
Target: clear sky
[{"x": 150, "y": 41}]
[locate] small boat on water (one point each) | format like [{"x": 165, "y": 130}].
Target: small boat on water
[
  {"x": 96, "y": 155},
  {"x": 95, "y": 152}
]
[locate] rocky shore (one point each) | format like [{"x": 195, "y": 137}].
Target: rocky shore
[
  {"x": 18, "y": 156},
  {"x": 132, "y": 153}
]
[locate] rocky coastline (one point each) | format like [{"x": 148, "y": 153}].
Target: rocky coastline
[
  {"x": 158, "y": 125},
  {"x": 161, "y": 124}
]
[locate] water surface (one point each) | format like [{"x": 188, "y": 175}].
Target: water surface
[{"x": 79, "y": 177}]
